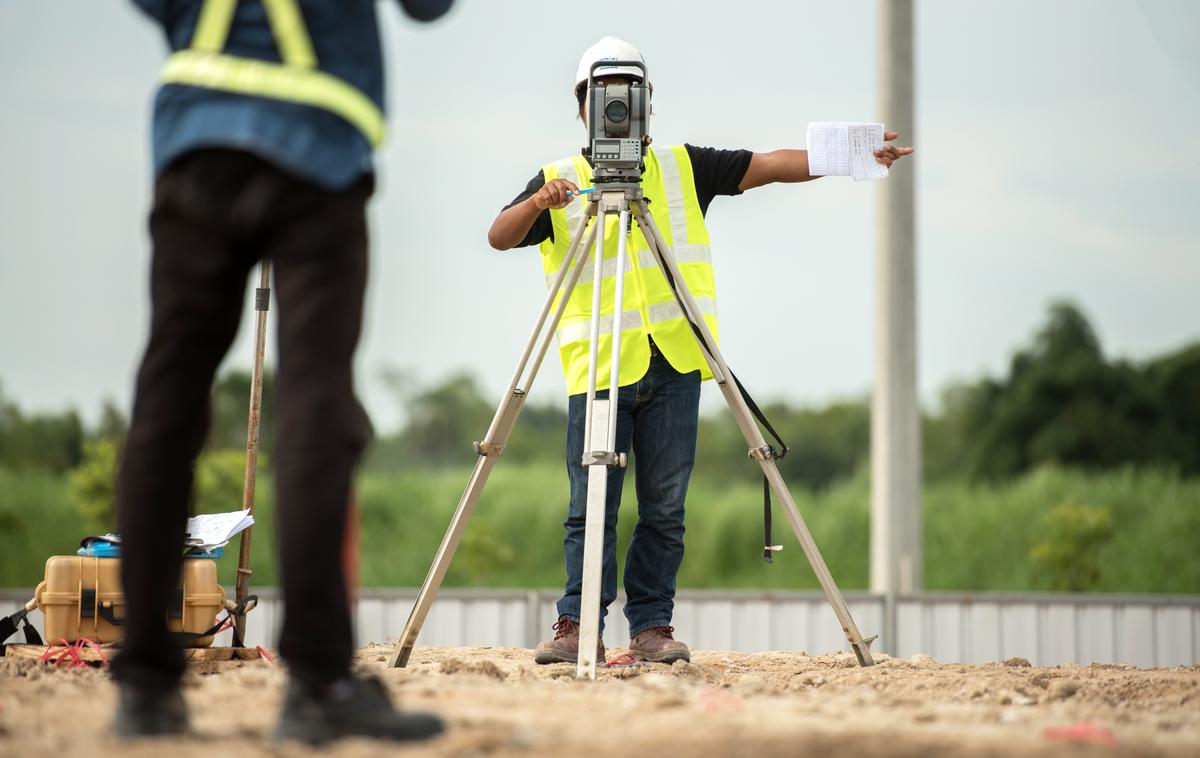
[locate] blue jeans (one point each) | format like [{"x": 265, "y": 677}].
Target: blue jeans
[{"x": 657, "y": 417}]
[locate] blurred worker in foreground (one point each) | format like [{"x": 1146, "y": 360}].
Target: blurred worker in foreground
[
  {"x": 263, "y": 134},
  {"x": 661, "y": 364}
]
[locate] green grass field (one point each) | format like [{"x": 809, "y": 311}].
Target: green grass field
[{"x": 977, "y": 537}]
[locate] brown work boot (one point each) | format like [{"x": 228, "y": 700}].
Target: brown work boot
[
  {"x": 564, "y": 648},
  {"x": 656, "y": 644}
]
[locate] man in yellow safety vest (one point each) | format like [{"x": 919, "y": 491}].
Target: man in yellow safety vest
[{"x": 661, "y": 366}]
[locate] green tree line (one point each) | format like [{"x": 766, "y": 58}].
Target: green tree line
[
  {"x": 1119, "y": 440},
  {"x": 1060, "y": 402}
]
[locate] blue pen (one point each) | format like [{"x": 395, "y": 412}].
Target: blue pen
[{"x": 583, "y": 192}]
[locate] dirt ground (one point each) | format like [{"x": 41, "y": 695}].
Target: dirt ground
[{"x": 499, "y": 703}]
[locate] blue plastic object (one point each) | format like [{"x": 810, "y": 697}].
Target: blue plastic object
[{"x": 100, "y": 549}]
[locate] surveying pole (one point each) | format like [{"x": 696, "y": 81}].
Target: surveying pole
[
  {"x": 262, "y": 304},
  {"x": 895, "y": 413}
]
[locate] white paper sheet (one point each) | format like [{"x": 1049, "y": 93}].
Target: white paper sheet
[
  {"x": 828, "y": 149},
  {"x": 211, "y": 530},
  {"x": 841, "y": 148},
  {"x": 864, "y": 140}
]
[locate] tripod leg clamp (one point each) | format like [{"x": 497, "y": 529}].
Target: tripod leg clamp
[
  {"x": 764, "y": 453},
  {"x": 595, "y": 458},
  {"x": 488, "y": 449}
]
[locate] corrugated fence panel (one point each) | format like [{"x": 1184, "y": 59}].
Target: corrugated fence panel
[
  {"x": 714, "y": 628},
  {"x": 789, "y": 625},
  {"x": 369, "y": 621},
  {"x": 1056, "y": 629},
  {"x": 549, "y": 615},
  {"x": 825, "y": 632},
  {"x": 910, "y": 630},
  {"x": 685, "y": 620},
  {"x": 752, "y": 626},
  {"x": 1173, "y": 638},
  {"x": 499, "y": 623},
  {"x": 1135, "y": 635},
  {"x": 1019, "y": 631},
  {"x": 981, "y": 641},
  {"x": 1141, "y": 630},
  {"x": 1096, "y": 633},
  {"x": 1196, "y": 634},
  {"x": 946, "y": 641},
  {"x": 482, "y": 623}
]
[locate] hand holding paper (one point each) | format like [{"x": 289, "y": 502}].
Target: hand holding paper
[{"x": 839, "y": 148}]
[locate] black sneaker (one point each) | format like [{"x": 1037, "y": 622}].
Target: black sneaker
[
  {"x": 145, "y": 712},
  {"x": 349, "y": 707}
]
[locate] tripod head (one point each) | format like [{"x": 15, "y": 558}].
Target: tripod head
[{"x": 618, "y": 124}]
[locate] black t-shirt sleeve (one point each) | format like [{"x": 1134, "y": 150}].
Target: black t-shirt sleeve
[
  {"x": 542, "y": 228},
  {"x": 717, "y": 172}
]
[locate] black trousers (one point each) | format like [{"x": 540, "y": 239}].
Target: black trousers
[{"x": 216, "y": 214}]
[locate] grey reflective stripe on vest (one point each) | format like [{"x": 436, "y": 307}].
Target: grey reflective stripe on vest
[
  {"x": 682, "y": 253},
  {"x": 566, "y": 170},
  {"x": 673, "y": 185},
  {"x": 607, "y": 271},
  {"x": 670, "y": 310},
  {"x": 581, "y": 330},
  {"x": 646, "y": 259}
]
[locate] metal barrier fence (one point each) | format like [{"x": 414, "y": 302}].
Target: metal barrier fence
[{"x": 1047, "y": 629}]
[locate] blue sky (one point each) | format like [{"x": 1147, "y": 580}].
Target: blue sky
[{"x": 1057, "y": 156}]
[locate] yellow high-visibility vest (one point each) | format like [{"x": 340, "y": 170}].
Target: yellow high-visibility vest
[
  {"x": 297, "y": 79},
  {"x": 649, "y": 309}
]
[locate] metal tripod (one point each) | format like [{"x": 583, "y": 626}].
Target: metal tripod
[{"x": 623, "y": 199}]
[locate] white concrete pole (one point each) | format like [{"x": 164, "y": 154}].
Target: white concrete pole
[{"x": 895, "y": 413}]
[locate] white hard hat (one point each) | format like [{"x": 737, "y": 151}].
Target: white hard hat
[{"x": 609, "y": 49}]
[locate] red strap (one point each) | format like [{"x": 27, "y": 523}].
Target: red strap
[
  {"x": 93, "y": 646},
  {"x": 58, "y": 657},
  {"x": 71, "y": 654},
  {"x": 45, "y": 657},
  {"x": 625, "y": 659}
]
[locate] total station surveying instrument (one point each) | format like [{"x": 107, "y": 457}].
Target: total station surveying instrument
[{"x": 618, "y": 117}]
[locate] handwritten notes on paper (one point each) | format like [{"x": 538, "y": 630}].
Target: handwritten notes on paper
[{"x": 840, "y": 148}]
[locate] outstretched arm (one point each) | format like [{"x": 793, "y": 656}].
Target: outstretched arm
[{"x": 792, "y": 165}]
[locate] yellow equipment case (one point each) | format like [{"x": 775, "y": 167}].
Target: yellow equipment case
[{"x": 81, "y": 597}]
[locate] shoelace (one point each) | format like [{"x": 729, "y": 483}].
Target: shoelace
[
  {"x": 662, "y": 631},
  {"x": 564, "y": 627}
]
